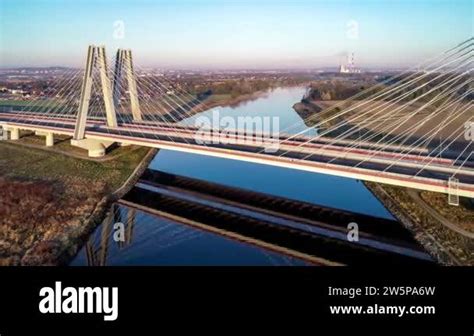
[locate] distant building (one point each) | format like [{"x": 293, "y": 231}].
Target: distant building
[{"x": 350, "y": 67}]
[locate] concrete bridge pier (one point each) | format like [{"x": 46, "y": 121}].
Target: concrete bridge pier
[
  {"x": 95, "y": 148},
  {"x": 14, "y": 133},
  {"x": 49, "y": 138}
]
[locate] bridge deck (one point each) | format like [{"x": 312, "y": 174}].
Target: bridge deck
[{"x": 388, "y": 166}]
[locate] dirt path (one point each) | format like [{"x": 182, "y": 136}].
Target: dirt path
[{"x": 416, "y": 196}]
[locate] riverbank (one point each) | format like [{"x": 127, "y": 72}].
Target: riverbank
[
  {"x": 225, "y": 100},
  {"x": 50, "y": 202},
  {"x": 428, "y": 220},
  {"x": 306, "y": 110},
  {"x": 314, "y": 111}
]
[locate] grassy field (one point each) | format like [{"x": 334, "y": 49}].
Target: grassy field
[
  {"x": 48, "y": 198},
  {"x": 215, "y": 98},
  {"x": 33, "y": 102},
  {"x": 17, "y": 161},
  {"x": 403, "y": 123}
]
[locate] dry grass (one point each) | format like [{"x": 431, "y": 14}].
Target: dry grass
[
  {"x": 46, "y": 199},
  {"x": 463, "y": 215},
  {"x": 38, "y": 218}
]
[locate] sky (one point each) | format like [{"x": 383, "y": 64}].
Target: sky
[{"x": 212, "y": 34}]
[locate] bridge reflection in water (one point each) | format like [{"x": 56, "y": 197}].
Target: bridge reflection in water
[
  {"x": 168, "y": 219},
  {"x": 97, "y": 252},
  {"x": 152, "y": 240}
]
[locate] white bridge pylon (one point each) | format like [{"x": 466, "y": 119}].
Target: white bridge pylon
[
  {"x": 124, "y": 63},
  {"x": 96, "y": 58},
  {"x": 111, "y": 95}
]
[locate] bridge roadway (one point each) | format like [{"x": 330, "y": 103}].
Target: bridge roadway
[{"x": 388, "y": 166}]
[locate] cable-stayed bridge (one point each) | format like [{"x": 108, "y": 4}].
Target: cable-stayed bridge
[{"x": 414, "y": 130}]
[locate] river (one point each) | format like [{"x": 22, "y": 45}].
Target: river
[{"x": 157, "y": 241}]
